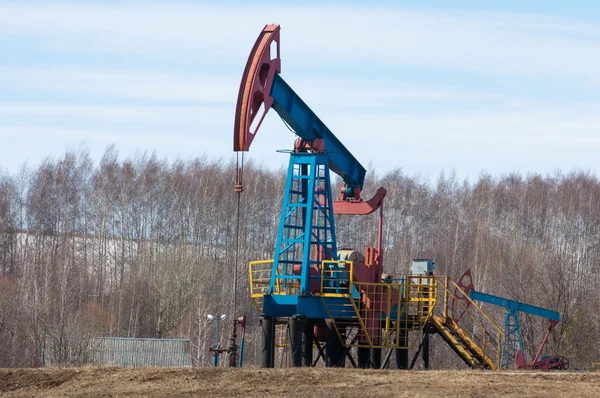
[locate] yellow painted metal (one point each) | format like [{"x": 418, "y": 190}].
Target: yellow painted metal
[
  {"x": 407, "y": 307},
  {"x": 282, "y": 335},
  {"x": 341, "y": 272},
  {"x": 259, "y": 273},
  {"x": 439, "y": 324},
  {"x": 477, "y": 332},
  {"x": 387, "y": 304},
  {"x": 403, "y": 307},
  {"x": 474, "y": 305}
]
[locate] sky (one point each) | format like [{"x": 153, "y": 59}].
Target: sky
[{"x": 422, "y": 86}]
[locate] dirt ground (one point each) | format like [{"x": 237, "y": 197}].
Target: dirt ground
[{"x": 154, "y": 382}]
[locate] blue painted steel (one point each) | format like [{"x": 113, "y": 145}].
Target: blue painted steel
[
  {"x": 308, "y": 126},
  {"x": 306, "y": 234},
  {"x": 514, "y": 342},
  {"x": 241, "y": 360},
  {"x": 281, "y": 305},
  {"x": 515, "y": 305}
]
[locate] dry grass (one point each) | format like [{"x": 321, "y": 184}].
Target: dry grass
[{"x": 154, "y": 382}]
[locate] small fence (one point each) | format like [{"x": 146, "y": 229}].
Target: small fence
[{"x": 139, "y": 352}]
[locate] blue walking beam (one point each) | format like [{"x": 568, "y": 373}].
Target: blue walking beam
[
  {"x": 307, "y": 125},
  {"x": 515, "y": 305}
]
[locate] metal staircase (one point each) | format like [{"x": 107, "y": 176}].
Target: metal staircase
[
  {"x": 461, "y": 344},
  {"x": 396, "y": 314}
]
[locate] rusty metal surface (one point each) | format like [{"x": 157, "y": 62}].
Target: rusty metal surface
[{"x": 255, "y": 87}]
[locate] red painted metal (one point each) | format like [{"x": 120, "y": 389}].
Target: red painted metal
[
  {"x": 380, "y": 234},
  {"x": 316, "y": 146},
  {"x": 550, "y": 328},
  {"x": 360, "y": 207},
  {"x": 520, "y": 362},
  {"x": 255, "y": 88},
  {"x": 550, "y": 363},
  {"x": 546, "y": 363},
  {"x": 465, "y": 283},
  {"x": 371, "y": 270}
]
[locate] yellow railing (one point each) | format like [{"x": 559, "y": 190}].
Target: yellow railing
[
  {"x": 474, "y": 323},
  {"x": 390, "y": 315},
  {"x": 384, "y": 314},
  {"x": 399, "y": 308},
  {"x": 260, "y": 280},
  {"x": 282, "y": 335},
  {"x": 336, "y": 278}
]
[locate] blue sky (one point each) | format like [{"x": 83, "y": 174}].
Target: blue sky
[{"x": 420, "y": 85}]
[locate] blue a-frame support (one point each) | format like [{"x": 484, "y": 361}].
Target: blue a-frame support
[
  {"x": 514, "y": 342},
  {"x": 306, "y": 233}
]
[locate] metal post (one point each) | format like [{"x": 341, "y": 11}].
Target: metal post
[
  {"x": 268, "y": 339},
  {"x": 242, "y": 322},
  {"x": 216, "y": 354},
  {"x": 341, "y": 349},
  {"x": 425, "y": 352},
  {"x": 241, "y": 360},
  {"x": 363, "y": 357},
  {"x": 233, "y": 348},
  {"x": 307, "y": 342},
  {"x": 376, "y": 357},
  {"x": 402, "y": 353},
  {"x": 296, "y": 328},
  {"x": 446, "y": 287},
  {"x": 550, "y": 327},
  {"x": 380, "y": 233},
  {"x": 331, "y": 345},
  {"x": 217, "y": 350}
]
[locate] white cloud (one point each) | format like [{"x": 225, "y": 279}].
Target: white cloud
[
  {"x": 527, "y": 45},
  {"x": 157, "y": 86},
  {"x": 328, "y": 53},
  {"x": 120, "y": 83},
  {"x": 129, "y": 113},
  {"x": 539, "y": 138}
]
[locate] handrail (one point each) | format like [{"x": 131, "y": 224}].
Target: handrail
[
  {"x": 474, "y": 312},
  {"x": 387, "y": 315},
  {"x": 474, "y": 304}
]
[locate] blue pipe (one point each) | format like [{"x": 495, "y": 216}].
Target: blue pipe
[{"x": 241, "y": 361}]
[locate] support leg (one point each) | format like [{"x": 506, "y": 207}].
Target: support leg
[
  {"x": 296, "y": 328},
  {"x": 307, "y": 342},
  {"x": 376, "y": 358},
  {"x": 331, "y": 345},
  {"x": 425, "y": 353},
  {"x": 268, "y": 340},
  {"x": 341, "y": 349},
  {"x": 402, "y": 353},
  {"x": 363, "y": 357}
]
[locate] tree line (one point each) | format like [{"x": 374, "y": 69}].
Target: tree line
[{"x": 143, "y": 247}]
